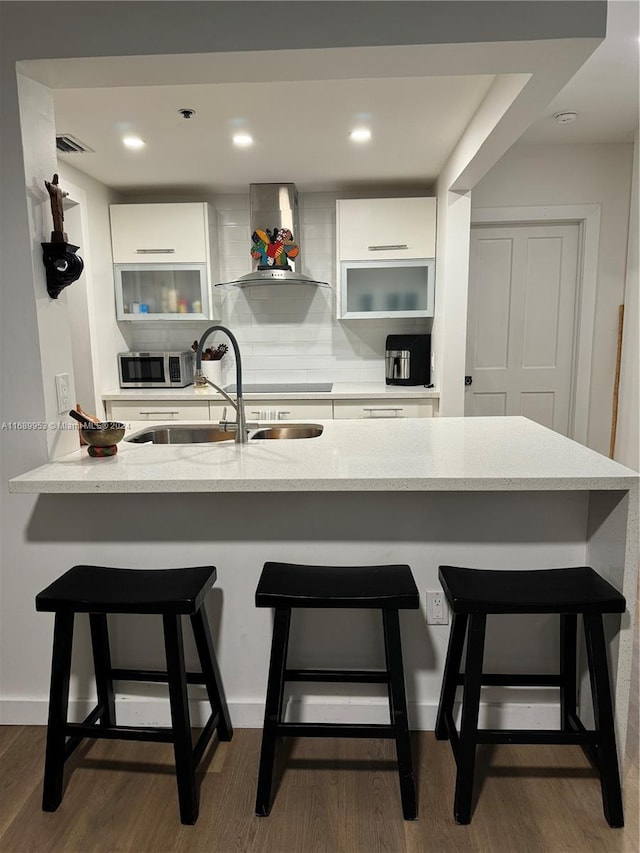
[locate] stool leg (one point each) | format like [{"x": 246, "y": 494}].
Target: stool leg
[
  {"x": 273, "y": 708},
  {"x": 58, "y": 704},
  {"x": 450, "y": 675},
  {"x": 469, "y": 723},
  {"x": 398, "y": 711},
  {"x": 102, "y": 667},
  {"x": 603, "y": 714},
  {"x": 211, "y": 672},
  {"x": 568, "y": 663},
  {"x": 182, "y": 747}
]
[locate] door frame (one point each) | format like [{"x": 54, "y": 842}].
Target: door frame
[{"x": 588, "y": 218}]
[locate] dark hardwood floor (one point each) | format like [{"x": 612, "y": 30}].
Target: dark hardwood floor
[{"x": 335, "y": 796}]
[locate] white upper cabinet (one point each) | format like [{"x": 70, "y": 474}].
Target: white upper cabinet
[
  {"x": 386, "y": 228},
  {"x": 152, "y": 233},
  {"x": 162, "y": 262},
  {"x": 385, "y": 251}
]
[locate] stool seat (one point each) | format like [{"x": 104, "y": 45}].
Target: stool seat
[
  {"x": 572, "y": 590},
  {"x": 97, "y": 589},
  {"x": 293, "y": 585},
  {"x": 288, "y": 586}
]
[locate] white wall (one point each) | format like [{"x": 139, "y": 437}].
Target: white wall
[
  {"x": 452, "y": 284},
  {"x": 237, "y": 533},
  {"x": 530, "y": 175},
  {"x": 91, "y": 300},
  {"x": 627, "y": 448},
  {"x": 38, "y": 127}
]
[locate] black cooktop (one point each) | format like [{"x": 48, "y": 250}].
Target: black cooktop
[{"x": 283, "y": 388}]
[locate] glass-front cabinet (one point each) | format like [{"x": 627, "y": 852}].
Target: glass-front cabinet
[
  {"x": 164, "y": 292},
  {"x": 163, "y": 261},
  {"x": 372, "y": 289}
]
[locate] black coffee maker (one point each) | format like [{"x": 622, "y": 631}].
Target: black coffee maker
[{"x": 408, "y": 360}]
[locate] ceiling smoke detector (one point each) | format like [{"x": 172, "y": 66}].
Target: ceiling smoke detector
[{"x": 566, "y": 117}]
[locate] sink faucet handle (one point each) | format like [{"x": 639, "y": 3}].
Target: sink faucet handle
[{"x": 224, "y": 414}]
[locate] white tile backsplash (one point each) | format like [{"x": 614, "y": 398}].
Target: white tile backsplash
[
  {"x": 235, "y": 234},
  {"x": 285, "y": 335}
]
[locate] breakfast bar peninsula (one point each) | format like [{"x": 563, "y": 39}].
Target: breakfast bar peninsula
[{"x": 501, "y": 493}]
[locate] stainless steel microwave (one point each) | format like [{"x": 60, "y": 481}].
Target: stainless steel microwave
[{"x": 155, "y": 369}]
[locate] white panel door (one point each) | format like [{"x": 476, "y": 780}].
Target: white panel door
[{"x": 521, "y": 322}]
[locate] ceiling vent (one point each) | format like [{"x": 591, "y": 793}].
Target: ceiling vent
[{"x": 70, "y": 145}]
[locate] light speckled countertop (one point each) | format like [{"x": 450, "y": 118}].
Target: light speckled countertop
[
  {"x": 412, "y": 454},
  {"x": 340, "y": 391}
]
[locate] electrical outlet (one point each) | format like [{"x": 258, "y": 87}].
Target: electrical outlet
[
  {"x": 437, "y": 610},
  {"x": 62, "y": 392}
]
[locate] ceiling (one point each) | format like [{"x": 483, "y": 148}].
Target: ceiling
[
  {"x": 300, "y": 129},
  {"x": 301, "y": 126},
  {"x": 604, "y": 92}
]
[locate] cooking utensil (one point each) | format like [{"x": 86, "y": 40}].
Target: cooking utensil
[
  {"x": 87, "y": 414},
  {"x": 81, "y": 418},
  {"x": 92, "y": 418}
]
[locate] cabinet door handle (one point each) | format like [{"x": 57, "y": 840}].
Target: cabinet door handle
[
  {"x": 269, "y": 414},
  {"x": 390, "y": 248},
  {"x": 155, "y": 251},
  {"x": 382, "y": 409},
  {"x": 162, "y": 412}
]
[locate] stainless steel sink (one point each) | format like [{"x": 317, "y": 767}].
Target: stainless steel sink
[
  {"x": 209, "y": 433},
  {"x": 289, "y": 431},
  {"x": 182, "y": 434}
]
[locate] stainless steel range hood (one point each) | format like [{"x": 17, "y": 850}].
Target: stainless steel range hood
[{"x": 273, "y": 207}]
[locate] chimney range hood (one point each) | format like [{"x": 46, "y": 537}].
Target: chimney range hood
[{"x": 273, "y": 217}]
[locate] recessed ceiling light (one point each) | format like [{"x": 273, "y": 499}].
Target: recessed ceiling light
[
  {"x": 242, "y": 139},
  {"x": 133, "y": 142},
  {"x": 360, "y": 135},
  {"x": 566, "y": 117}
]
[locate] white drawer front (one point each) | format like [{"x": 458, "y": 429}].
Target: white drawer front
[
  {"x": 163, "y": 410},
  {"x": 287, "y": 410},
  {"x": 383, "y": 408}
]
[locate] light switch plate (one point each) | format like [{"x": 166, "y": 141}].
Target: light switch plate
[{"x": 62, "y": 392}]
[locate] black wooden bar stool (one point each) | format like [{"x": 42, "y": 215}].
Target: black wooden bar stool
[
  {"x": 389, "y": 589},
  {"x": 169, "y": 593},
  {"x": 472, "y": 595}
]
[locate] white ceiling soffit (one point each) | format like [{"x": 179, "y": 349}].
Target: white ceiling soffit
[
  {"x": 205, "y": 30},
  {"x": 475, "y": 133}
]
